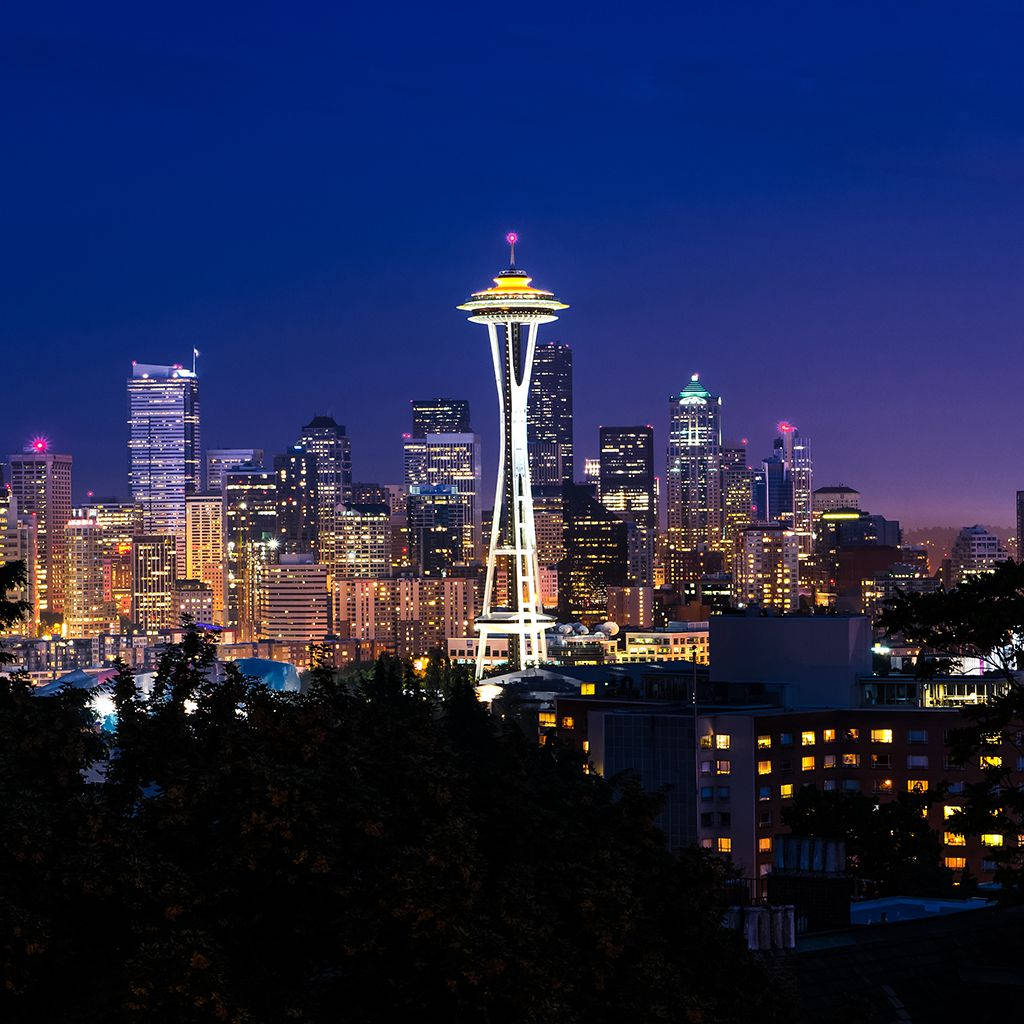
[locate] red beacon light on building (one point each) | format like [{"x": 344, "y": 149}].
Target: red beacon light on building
[
  {"x": 786, "y": 428},
  {"x": 40, "y": 444}
]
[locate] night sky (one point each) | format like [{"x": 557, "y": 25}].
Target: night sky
[{"x": 818, "y": 206}]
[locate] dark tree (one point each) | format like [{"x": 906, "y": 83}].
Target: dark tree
[
  {"x": 889, "y": 844},
  {"x": 376, "y": 848},
  {"x": 981, "y": 619}
]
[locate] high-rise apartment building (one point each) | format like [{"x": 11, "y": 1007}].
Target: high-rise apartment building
[
  {"x": 766, "y": 567},
  {"x": 626, "y": 487},
  {"x": 549, "y": 414},
  {"x": 297, "y": 600},
  {"x": 830, "y": 499},
  {"x": 193, "y": 601},
  {"x": 163, "y": 447},
  {"x": 694, "y": 466},
  {"x": 975, "y": 551},
  {"x": 154, "y": 573},
  {"x": 206, "y": 549},
  {"x": 220, "y": 460},
  {"x": 796, "y": 456},
  {"x": 250, "y": 513},
  {"x": 86, "y": 613},
  {"x": 297, "y": 507},
  {"x": 440, "y": 416},
  {"x": 737, "y": 490},
  {"x": 1020, "y": 526},
  {"x": 363, "y": 542},
  {"x": 41, "y": 485},
  {"x": 330, "y": 445}
]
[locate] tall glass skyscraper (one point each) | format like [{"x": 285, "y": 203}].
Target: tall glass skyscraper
[
  {"x": 440, "y": 416},
  {"x": 626, "y": 487},
  {"x": 327, "y": 441},
  {"x": 164, "y": 454},
  {"x": 549, "y": 415},
  {"x": 694, "y": 466}
]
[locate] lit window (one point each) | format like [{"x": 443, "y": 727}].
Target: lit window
[
  {"x": 953, "y": 839},
  {"x": 991, "y": 839},
  {"x": 883, "y": 785},
  {"x": 705, "y": 742},
  {"x": 723, "y": 767},
  {"x": 851, "y": 734},
  {"x": 955, "y": 863},
  {"x": 881, "y": 735},
  {"x": 786, "y": 790},
  {"x": 568, "y": 722},
  {"x": 807, "y": 764},
  {"x": 586, "y": 746},
  {"x": 917, "y": 785},
  {"x": 764, "y": 844},
  {"x": 764, "y": 767},
  {"x": 764, "y": 742},
  {"x": 546, "y": 718},
  {"x": 724, "y": 844},
  {"x": 828, "y": 761},
  {"x": 991, "y": 761},
  {"x": 807, "y": 739},
  {"x": 828, "y": 735},
  {"x": 706, "y": 844},
  {"x": 587, "y": 689},
  {"x": 722, "y": 741},
  {"x": 950, "y": 809},
  {"x": 851, "y": 760}
]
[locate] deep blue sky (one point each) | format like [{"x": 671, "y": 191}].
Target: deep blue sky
[{"x": 818, "y": 206}]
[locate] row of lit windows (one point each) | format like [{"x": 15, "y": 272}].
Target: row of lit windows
[
  {"x": 809, "y": 738},
  {"x": 848, "y": 760}
]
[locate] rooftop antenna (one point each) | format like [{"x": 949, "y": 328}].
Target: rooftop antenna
[{"x": 512, "y": 238}]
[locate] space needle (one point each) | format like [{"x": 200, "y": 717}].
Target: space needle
[{"x": 512, "y": 311}]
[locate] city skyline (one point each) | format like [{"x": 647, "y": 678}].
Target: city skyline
[{"x": 813, "y": 233}]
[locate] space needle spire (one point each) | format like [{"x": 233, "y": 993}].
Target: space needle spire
[{"x": 512, "y": 311}]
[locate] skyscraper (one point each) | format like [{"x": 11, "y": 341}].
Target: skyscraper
[
  {"x": 220, "y": 460},
  {"x": 506, "y": 309},
  {"x": 796, "y": 451},
  {"x": 41, "y": 485},
  {"x": 737, "y": 490},
  {"x": 549, "y": 414},
  {"x": 596, "y": 556},
  {"x": 163, "y": 447},
  {"x": 297, "y": 601},
  {"x": 694, "y": 465},
  {"x": 297, "y": 506},
  {"x": 626, "y": 487},
  {"x": 329, "y": 444},
  {"x": 362, "y": 546},
  {"x": 205, "y": 548},
  {"x": 250, "y": 511},
  {"x": 437, "y": 466},
  {"x": 18, "y": 543},
  {"x": 440, "y": 416},
  {"x": 86, "y": 614},
  {"x": 1020, "y": 526},
  {"x": 154, "y": 572}
]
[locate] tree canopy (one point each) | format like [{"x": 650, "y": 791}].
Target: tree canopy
[{"x": 371, "y": 849}]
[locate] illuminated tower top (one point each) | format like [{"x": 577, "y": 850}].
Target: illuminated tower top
[{"x": 512, "y": 297}]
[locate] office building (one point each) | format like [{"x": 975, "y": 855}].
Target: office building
[
  {"x": 86, "y": 613},
  {"x": 18, "y": 543},
  {"x": 596, "y": 556},
  {"x": 766, "y": 567},
  {"x": 297, "y": 506},
  {"x": 332, "y": 448},
  {"x": 797, "y": 450},
  {"x": 41, "y": 485},
  {"x": 154, "y": 572},
  {"x": 250, "y": 514},
  {"x": 220, "y": 460},
  {"x": 193, "y": 601},
  {"x": 363, "y": 542},
  {"x": 1020, "y": 526},
  {"x": 206, "y": 550},
  {"x": 632, "y": 606},
  {"x": 975, "y": 551},
  {"x": 438, "y": 466},
  {"x": 440, "y": 416},
  {"x": 549, "y": 414},
  {"x": 878, "y": 588},
  {"x": 513, "y": 311},
  {"x": 626, "y": 488},
  {"x": 831, "y": 499},
  {"x": 163, "y": 447},
  {"x": 693, "y": 496},
  {"x": 737, "y": 491},
  {"x": 297, "y": 600}
]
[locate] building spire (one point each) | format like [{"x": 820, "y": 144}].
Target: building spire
[{"x": 511, "y": 238}]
